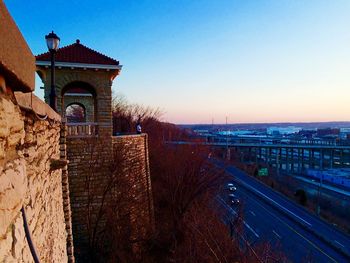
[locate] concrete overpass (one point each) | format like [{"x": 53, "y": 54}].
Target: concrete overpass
[{"x": 286, "y": 156}]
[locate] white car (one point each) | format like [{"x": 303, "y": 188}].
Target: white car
[{"x": 231, "y": 187}]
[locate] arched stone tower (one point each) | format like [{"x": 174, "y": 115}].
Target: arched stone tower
[
  {"x": 83, "y": 78},
  {"x": 84, "y": 99}
]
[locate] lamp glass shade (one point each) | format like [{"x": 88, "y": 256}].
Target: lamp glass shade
[{"x": 52, "y": 41}]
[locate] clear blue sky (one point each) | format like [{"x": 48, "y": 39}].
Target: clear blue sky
[{"x": 198, "y": 60}]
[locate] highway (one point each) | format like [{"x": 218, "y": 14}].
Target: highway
[{"x": 271, "y": 217}]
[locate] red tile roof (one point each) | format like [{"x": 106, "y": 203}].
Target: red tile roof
[{"x": 78, "y": 53}]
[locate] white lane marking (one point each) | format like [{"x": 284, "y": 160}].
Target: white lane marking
[
  {"x": 252, "y": 213},
  {"x": 292, "y": 229},
  {"x": 235, "y": 213},
  {"x": 222, "y": 201},
  {"x": 339, "y": 243},
  {"x": 251, "y": 229},
  {"x": 273, "y": 201},
  {"x": 273, "y": 231}
]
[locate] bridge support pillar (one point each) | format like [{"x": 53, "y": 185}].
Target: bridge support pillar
[
  {"x": 292, "y": 160},
  {"x": 287, "y": 159},
  {"x": 299, "y": 160},
  {"x": 341, "y": 158},
  {"x": 260, "y": 153},
  {"x": 302, "y": 159},
  {"x": 331, "y": 159},
  {"x": 311, "y": 159},
  {"x": 278, "y": 153},
  {"x": 228, "y": 154},
  {"x": 280, "y": 158}
]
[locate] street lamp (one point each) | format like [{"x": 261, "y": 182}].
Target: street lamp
[{"x": 52, "y": 42}]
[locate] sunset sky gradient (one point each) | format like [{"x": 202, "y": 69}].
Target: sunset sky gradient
[{"x": 198, "y": 60}]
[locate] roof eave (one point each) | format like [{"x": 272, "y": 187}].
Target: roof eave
[{"x": 79, "y": 65}]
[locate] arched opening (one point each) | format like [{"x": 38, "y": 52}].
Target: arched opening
[
  {"x": 75, "y": 112},
  {"x": 79, "y": 106},
  {"x": 79, "y": 102}
]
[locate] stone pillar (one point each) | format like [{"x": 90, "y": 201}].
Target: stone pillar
[{"x": 65, "y": 194}]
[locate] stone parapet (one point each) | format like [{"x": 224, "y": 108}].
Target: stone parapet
[
  {"x": 28, "y": 180},
  {"x": 30, "y": 159},
  {"x": 28, "y": 101},
  {"x": 89, "y": 168},
  {"x": 135, "y": 170},
  {"x": 17, "y": 62}
]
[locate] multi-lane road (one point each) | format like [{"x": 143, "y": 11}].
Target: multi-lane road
[{"x": 270, "y": 217}]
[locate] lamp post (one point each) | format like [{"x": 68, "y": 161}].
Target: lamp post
[{"x": 52, "y": 42}]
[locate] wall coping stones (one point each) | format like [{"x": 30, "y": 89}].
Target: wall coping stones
[
  {"x": 28, "y": 101},
  {"x": 17, "y": 62},
  {"x": 129, "y": 135}
]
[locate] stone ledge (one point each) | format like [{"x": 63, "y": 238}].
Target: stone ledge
[
  {"x": 125, "y": 136},
  {"x": 28, "y": 101},
  {"x": 16, "y": 60}
]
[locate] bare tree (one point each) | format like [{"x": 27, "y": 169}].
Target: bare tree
[{"x": 126, "y": 115}]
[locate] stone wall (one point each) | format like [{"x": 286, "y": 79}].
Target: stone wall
[
  {"x": 16, "y": 60},
  {"x": 89, "y": 169},
  {"x": 32, "y": 195},
  {"x": 29, "y": 147},
  {"x": 134, "y": 169},
  {"x": 93, "y": 168}
]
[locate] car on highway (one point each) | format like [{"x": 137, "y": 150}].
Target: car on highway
[
  {"x": 231, "y": 187},
  {"x": 233, "y": 199}
]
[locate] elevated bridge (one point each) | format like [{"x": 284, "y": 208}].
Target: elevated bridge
[{"x": 292, "y": 157}]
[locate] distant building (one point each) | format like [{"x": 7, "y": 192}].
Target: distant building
[
  {"x": 235, "y": 133},
  {"x": 345, "y": 133},
  {"x": 282, "y": 130}
]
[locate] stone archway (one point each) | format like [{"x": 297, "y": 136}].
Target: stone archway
[
  {"x": 82, "y": 95},
  {"x": 75, "y": 113}
]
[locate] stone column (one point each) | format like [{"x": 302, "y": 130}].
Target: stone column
[{"x": 65, "y": 194}]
